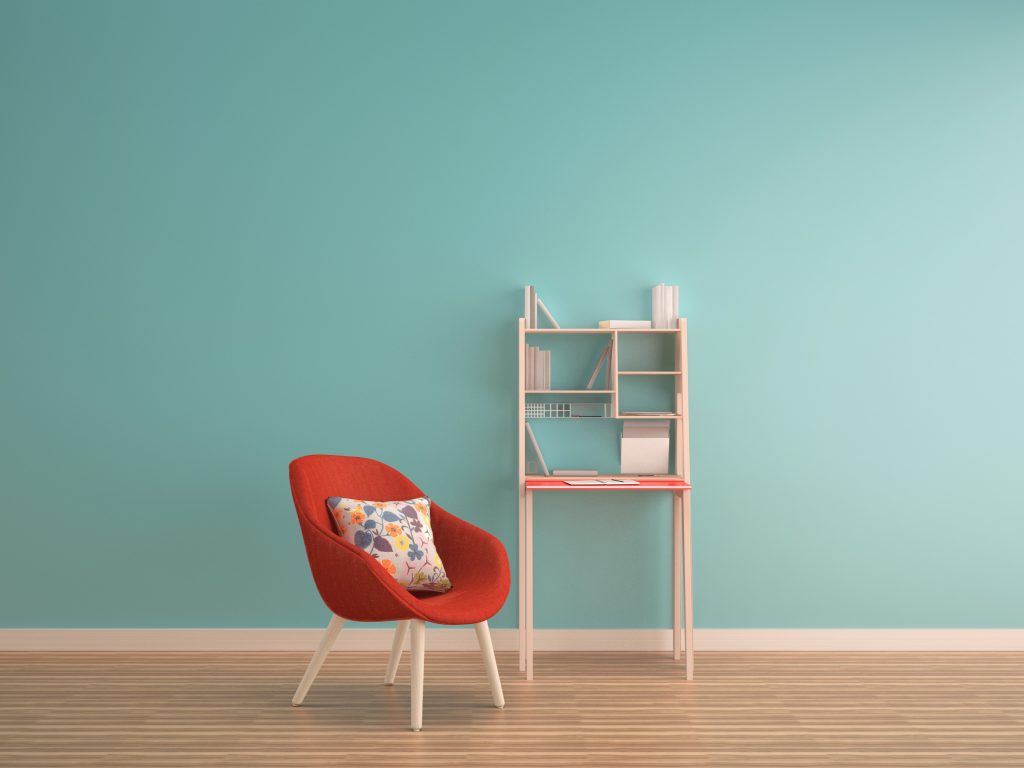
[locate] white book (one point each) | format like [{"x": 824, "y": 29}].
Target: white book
[
  {"x": 536, "y": 449},
  {"x": 541, "y": 306},
  {"x": 656, "y": 306},
  {"x": 547, "y": 369},
  {"x": 597, "y": 367},
  {"x": 624, "y": 324},
  {"x": 675, "y": 306}
]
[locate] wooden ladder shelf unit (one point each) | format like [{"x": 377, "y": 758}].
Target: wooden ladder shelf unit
[{"x": 678, "y": 482}]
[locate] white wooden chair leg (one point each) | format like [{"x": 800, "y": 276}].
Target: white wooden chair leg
[
  {"x": 483, "y": 637},
  {"x": 418, "y": 638},
  {"x": 319, "y": 656},
  {"x": 397, "y": 646}
]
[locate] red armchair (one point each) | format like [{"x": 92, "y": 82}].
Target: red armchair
[{"x": 356, "y": 588}]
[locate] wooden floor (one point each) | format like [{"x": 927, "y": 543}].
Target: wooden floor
[{"x": 584, "y": 709}]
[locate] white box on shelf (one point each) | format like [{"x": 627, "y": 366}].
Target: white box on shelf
[{"x": 645, "y": 448}]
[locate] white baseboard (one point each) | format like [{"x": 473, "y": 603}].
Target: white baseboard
[{"x": 463, "y": 639}]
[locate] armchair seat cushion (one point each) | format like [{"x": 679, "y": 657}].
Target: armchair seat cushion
[{"x": 465, "y": 603}]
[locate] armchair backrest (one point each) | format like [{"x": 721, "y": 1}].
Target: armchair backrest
[
  {"x": 317, "y": 477},
  {"x": 348, "y": 579}
]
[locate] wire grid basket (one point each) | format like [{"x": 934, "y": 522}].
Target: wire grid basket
[
  {"x": 548, "y": 410},
  {"x": 566, "y": 410}
]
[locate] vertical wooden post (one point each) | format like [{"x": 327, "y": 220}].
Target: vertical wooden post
[
  {"x": 688, "y": 583},
  {"x": 529, "y": 585},
  {"x": 683, "y": 468},
  {"x": 613, "y": 366},
  {"x": 521, "y": 421},
  {"x": 683, "y": 404},
  {"x": 677, "y": 574}
]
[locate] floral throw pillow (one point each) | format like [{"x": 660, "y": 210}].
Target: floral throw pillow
[{"x": 398, "y": 534}]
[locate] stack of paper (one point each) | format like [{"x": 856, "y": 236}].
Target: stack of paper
[
  {"x": 538, "y": 368},
  {"x": 624, "y": 324},
  {"x": 664, "y": 306},
  {"x": 611, "y": 481}
]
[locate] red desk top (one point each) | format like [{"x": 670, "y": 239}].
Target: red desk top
[{"x": 642, "y": 484}]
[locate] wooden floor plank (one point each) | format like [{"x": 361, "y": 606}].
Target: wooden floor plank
[{"x": 583, "y": 709}]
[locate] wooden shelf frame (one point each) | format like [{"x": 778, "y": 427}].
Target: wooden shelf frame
[
  {"x": 601, "y": 330},
  {"x": 680, "y": 415},
  {"x": 650, "y": 373},
  {"x": 682, "y": 571},
  {"x": 569, "y": 391}
]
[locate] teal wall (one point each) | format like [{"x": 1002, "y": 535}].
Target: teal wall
[{"x": 237, "y": 232}]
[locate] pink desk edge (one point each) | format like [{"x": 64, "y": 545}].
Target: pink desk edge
[{"x": 642, "y": 485}]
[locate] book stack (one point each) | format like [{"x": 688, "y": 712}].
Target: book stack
[
  {"x": 664, "y": 306},
  {"x": 538, "y": 368},
  {"x": 534, "y": 309}
]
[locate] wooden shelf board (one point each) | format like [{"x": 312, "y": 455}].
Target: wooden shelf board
[
  {"x": 650, "y": 373},
  {"x": 569, "y": 391},
  {"x": 667, "y": 416},
  {"x": 601, "y": 330},
  {"x": 569, "y": 330},
  {"x": 571, "y": 418}
]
